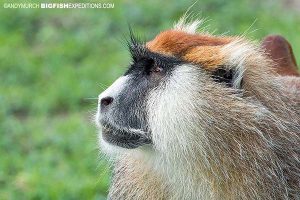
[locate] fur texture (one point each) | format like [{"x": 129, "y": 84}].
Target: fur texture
[{"x": 210, "y": 139}]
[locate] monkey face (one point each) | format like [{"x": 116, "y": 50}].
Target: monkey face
[
  {"x": 122, "y": 108},
  {"x": 167, "y": 88}
]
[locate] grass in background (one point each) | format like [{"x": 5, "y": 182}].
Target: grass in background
[{"x": 52, "y": 61}]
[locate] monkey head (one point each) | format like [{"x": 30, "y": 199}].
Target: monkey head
[{"x": 183, "y": 90}]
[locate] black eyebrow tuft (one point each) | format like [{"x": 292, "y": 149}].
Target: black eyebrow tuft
[
  {"x": 135, "y": 45},
  {"x": 143, "y": 58},
  {"x": 134, "y": 39}
]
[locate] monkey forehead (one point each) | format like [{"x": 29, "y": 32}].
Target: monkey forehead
[{"x": 195, "y": 48}]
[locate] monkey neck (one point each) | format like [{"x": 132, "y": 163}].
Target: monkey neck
[{"x": 244, "y": 158}]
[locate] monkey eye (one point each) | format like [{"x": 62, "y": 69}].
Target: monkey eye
[
  {"x": 156, "y": 69},
  {"x": 150, "y": 66}
]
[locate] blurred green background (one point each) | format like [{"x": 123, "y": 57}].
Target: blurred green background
[{"x": 53, "y": 62}]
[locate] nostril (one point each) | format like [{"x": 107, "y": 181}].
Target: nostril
[{"x": 106, "y": 101}]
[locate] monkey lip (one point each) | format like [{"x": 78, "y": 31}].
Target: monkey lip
[{"x": 123, "y": 137}]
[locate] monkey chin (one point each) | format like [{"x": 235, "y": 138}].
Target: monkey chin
[
  {"x": 115, "y": 151},
  {"x": 110, "y": 149}
]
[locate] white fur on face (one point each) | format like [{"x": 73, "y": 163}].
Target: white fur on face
[
  {"x": 174, "y": 103},
  {"x": 115, "y": 88},
  {"x": 173, "y": 110},
  {"x": 111, "y": 91}
]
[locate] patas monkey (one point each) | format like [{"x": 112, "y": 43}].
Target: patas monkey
[{"x": 198, "y": 116}]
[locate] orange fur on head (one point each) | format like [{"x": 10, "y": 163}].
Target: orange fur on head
[{"x": 194, "y": 48}]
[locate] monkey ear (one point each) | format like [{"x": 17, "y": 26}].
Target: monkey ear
[
  {"x": 281, "y": 52},
  {"x": 228, "y": 76}
]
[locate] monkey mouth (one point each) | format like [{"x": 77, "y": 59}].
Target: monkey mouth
[{"x": 124, "y": 137}]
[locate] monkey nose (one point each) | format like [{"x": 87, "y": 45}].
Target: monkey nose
[{"x": 106, "y": 101}]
